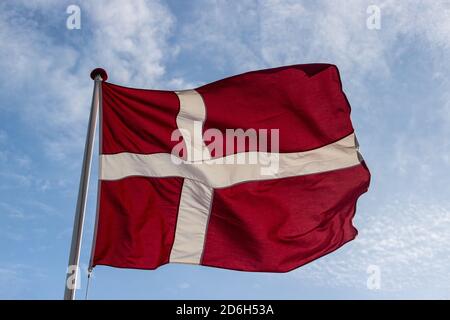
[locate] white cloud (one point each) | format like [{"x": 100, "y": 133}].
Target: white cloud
[
  {"x": 131, "y": 40},
  {"x": 254, "y": 34},
  {"x": 128, "y": 38},
  {"x": 257, "y": 34},
  {"x": 408, "y": 240}
]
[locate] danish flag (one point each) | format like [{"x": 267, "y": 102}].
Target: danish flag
[{"x": 169, "y": 193}]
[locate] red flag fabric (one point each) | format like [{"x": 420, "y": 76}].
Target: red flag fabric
[{"x": 200, "y": 205}]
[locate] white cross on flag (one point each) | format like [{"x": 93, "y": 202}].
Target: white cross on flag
[{"x": 256, "y": 172}]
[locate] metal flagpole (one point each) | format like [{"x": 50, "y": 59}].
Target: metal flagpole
[{"x": 98, "y": 75}]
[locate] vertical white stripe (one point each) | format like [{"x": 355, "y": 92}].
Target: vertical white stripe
[
  {"x": 195, "y": 201},
  {"x": 192, "y": 221},
  {"x": 190, "y": 120}
]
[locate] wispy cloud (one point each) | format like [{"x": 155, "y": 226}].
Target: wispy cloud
[
  {"x": 11, "y": 234},
  {"x": 406, "y": 239},
  {"x": 28, "y": 209},
  {"x": 11, "y": 211},
  {"x": 260, "y": 34},
  {"x": 12, "y": 180},
  {"x": 129, "y": 38},
  {"x": 17, "y": 279}
]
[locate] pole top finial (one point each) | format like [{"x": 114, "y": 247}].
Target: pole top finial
[{"x": 99, "y": 72}]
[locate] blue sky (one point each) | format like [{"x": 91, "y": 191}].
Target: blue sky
[{"x": 396, "y": 79}]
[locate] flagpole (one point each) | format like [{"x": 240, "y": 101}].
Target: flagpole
[{"x": 98, "y": 75}]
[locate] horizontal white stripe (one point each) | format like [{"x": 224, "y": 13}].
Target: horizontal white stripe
[
  {"x": 192, "y": 220},
  {"x": 337, "y": 155}
]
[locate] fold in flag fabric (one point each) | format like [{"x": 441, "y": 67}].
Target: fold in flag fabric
[{"x": 169, "y": 192}]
